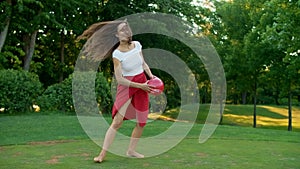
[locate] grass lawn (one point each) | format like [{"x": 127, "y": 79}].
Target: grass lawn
[{"x": 58, "y": 142}]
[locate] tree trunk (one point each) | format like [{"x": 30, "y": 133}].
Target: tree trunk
[
  {"x": 29, "y": 40},
  {"x": 62, "y": 56},
  {"x": 222, "y": 99},
  {"x": 244, "y": 97},
  {"x": 254, "y": 100},
  {"x": 3, "y": 33},
  {"x": 290, "y": 111}
]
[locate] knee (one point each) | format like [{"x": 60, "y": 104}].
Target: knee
[
  {"x": 116, "y": 125},
  {"x": 141, "y": 127}
]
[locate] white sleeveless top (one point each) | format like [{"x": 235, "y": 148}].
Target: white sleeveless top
[{"x": 131, "y": 61}]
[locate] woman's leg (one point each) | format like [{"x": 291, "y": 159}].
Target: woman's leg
[
  {"x": 112, "y": 130},
  {"x": 135, "y": 136}
]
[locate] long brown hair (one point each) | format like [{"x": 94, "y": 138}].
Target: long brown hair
[{"x": 101, "y": 40}]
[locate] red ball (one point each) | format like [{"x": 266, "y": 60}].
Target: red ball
[{"x": 157, "y": 85}]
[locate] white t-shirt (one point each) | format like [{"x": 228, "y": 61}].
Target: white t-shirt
[{"x": 131, "y": 61}]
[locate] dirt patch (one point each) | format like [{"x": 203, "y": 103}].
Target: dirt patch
[
  {"x": 50, "y": 142},
  {"x": 17, "y": 154},
  {"x": 54, "y": 159},
  {"x": 146, "y": 164},
  {"x": 201, "y": 154},
  {"x": 84, "y": 155},
  {"x": 2, "y": 148}
]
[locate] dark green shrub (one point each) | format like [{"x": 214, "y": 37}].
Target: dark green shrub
[
  {"x": 103, "y": 94},
  {"x": 60, "y": 96},
  {"x": 57, "y": 97},
  {"x": 19, "y": 89}
]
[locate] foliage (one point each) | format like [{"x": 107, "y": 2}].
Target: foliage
[
  {"x": 90, "y": 87},
  {"x": 9, "y": 58},
  {"x": 57, "y": 97},
  {"x": 60, "y": 96},
  {"x": 259, "y": 47},
  {"x": 18, "y": 90}
]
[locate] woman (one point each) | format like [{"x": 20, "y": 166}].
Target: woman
[{"x": 132, "y": 99}]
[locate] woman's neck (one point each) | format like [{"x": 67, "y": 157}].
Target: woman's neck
[{"x": 125, "y": 44}]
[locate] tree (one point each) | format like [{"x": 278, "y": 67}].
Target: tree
[
  {"x": 258, "y": 37},
  {"x": 59, "y": 50},
  {"x": 6, "y": 17},
  {"x": 229, "y": 30},
  {"x": 283, "y": 34},
  {"x": 257, "y": 53}
]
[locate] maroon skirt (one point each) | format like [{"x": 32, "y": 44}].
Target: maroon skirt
[{"x": 139, "y": 107}]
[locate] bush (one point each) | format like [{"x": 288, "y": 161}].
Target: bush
[
  {"x": 57, "y": 97},
  {"x": 60, "y": 96},
  {"x": 19, "y": 89}
]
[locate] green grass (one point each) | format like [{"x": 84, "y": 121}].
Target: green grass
[
  {"x": 58, "y": 141},
  {"x": 24, "y": 129},
  {"x": 216, "y": 153}
]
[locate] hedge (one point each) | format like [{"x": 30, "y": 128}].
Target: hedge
[
  {"x": 19, "y": 89},
  {"x": 59, "y": 97}
]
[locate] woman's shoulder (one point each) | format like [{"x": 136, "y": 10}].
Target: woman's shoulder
[
  {"x": 137, "y": 44},
  {"x": 117, "y": 54}
]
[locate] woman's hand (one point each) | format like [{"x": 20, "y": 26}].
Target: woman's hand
[
  {"x": 145, "y": 87},
  {"x": 151, "y": 76}
]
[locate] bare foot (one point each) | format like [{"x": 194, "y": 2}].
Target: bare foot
[
  {"x": 98, "y": 159},
  {"x": 134, "y": 154}
]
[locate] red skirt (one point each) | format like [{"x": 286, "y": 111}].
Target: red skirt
[{"x": 139, "y": 107}]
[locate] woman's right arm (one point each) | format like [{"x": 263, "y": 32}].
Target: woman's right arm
[{"x": 123, "y": 81}]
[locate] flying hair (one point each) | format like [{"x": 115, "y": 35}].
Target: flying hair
[{"x": 101, "y": 40}]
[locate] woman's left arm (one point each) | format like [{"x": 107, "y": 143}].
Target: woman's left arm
[{"x": 146, "y": 67}]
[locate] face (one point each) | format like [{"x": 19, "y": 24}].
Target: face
[{"x": 124, "y": 32}]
